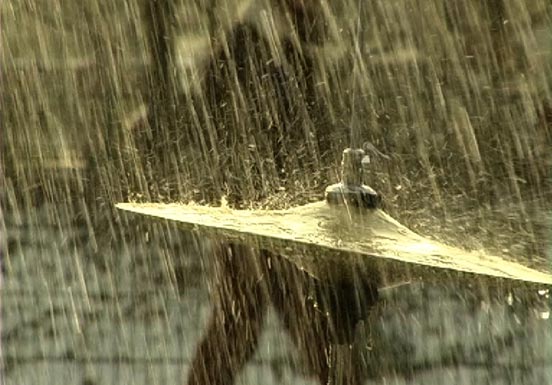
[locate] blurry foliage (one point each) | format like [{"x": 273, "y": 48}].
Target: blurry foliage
[{"x": 247, "y": 104}]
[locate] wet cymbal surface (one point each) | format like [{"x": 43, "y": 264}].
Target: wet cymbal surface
[{"x": 339, "y": 242}]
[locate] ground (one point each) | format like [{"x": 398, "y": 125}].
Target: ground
[{"x": 80, "y": 315}]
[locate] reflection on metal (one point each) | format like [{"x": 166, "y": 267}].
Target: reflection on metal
[
  {"x": 351, "y": 191},
  {"x": 343, "y": 238}
]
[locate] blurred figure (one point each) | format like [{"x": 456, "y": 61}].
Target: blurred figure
[
  {"x": 238, "y": 91},
  {"x": 252, "y": 91},
  {"x": 261, "y": 121}
]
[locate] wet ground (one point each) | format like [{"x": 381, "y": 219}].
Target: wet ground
[{"x": 79, "y": 312}]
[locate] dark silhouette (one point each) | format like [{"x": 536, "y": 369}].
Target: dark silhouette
[
  {"x": 317, "y": 315},
  {"x": 261, "y": 99}
]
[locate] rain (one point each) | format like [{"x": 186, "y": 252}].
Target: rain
[{"x": 249, "y": 105}]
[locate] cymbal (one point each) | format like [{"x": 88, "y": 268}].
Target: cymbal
[{"x": 343, "y": 242}]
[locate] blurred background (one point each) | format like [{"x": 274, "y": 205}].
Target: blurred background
[{"x": 253, "y": 101}]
